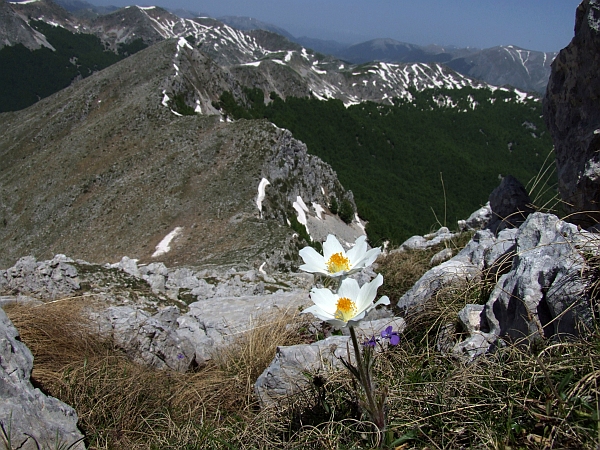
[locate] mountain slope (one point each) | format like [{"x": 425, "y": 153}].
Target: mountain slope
[
  {"x": 15, "y": 29},
  {"x": 106, "y": 168},
  {"x": 508, "y": 65}
]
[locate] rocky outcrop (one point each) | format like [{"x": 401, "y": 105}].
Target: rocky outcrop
[
  {"x": 14, "y": 30},
  {"x": 545, "y": 294},
  {"x": 478, "y": 219},
  {"x": 573, "y": 117},
  {"x": 206, "y": 308},
  {"x": 31, "y": 419},
  {"x": 294, "y": 367},
  {"x": 45, "y": 279},
  {"x": 483, "y": 253}
]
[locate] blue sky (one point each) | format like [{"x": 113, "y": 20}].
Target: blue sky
[{"x": 545, "y": 25}]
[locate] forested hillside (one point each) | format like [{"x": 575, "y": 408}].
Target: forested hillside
[
  {"x": 430, "y": 159},
  {"x": 29, "y": 75}
]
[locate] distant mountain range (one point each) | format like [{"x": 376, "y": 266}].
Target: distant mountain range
[
  {"x": 504, "y": 65},
  {"x": 257, "y": 58},
  {"x": 523, "y": 69}
]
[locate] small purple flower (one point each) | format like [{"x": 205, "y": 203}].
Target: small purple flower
[
  {"x": 388, "y": 333},
  {"x": 371, "y": 342},
  {"x": 180, "y": 356}
]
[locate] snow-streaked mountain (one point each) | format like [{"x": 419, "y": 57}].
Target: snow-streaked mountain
[
  {"x": 259, "y": 58},
  {"x": 14, "y": 29},
  {"x": 526, "y": 69}
]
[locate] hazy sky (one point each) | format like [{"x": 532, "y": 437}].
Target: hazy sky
[{"x": 545, "y": 25}]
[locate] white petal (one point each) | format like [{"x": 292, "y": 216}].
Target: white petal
[
  {"x": 325, "y": 300},
  {"x": 349, "y": 289},
  {"x": 314, "y": 262},
  {"x": 368, "y": 292},
  {"x": 382, "y": 301},
  {"x": 336, "y": 323},
  {"x": 332, "y": 246},
  {"x": 357, "y": 318},
  {"x": 369, "y": 257},
  {"x": 357, "y": 252},
  {"x": 318, "y": 312}
]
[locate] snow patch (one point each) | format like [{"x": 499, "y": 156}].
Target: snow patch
[
  {"x": 359, "y": 223},
  {"x": 301, "y": 215},
  {"x": 261, "y": 193},
  {"x": 163, "y": 246},
  {"x": 253, "y": 64},
  {"x": 165, "y": 99},
  {"x": 301, "y": 203},
  {"x": 182, "y": 42},
  {"x": 319, "y": 210}
]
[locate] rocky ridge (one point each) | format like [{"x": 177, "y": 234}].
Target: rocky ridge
[{"x": 108, "y": 167}]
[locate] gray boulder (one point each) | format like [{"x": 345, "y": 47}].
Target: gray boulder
[
  {"x": 510, "y": 205},
  {"x": 572, "y": 114},
  {"x": 24, "y": 410},
  {"x": 295, "y": 366},
  {"x": 429, "y": 240},
  {"x": 478, "y": 220},
  {"x": 151, "y": 340},
  {"x": 484, "y": 252},
  {"x": 47, "y": 280},
  {"x": 212, "y": 323},
  {"x": 545, "y": 294}
]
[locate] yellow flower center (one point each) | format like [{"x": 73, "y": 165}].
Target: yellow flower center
[
  {"x": 346, "y": 309},
  {"x": 338, "y": 262}
]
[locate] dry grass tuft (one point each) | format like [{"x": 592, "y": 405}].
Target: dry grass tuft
[{"x": 123, "y": 405}]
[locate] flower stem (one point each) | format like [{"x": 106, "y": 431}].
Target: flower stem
[{"x": 364, "y": 369}]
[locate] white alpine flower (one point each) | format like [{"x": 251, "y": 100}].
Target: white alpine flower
[
  {"x": 349, "y": 305},
  {"x": 335, "y": 261}
]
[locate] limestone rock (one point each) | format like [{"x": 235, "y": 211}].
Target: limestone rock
[
  {"x": 148, "y": 339},
  {"x": 477, "y": 220},
  {"x": 441, "y": 256},
  {"x": 211, "y": 323},
  {"x": 25, "y": 409},
  {"x": 545, "y": 294},
  {"x": 429, "y": 240},
  {"x": 51, "y": 279},
  {"x": 484, "y": 251},
  {"x": 572, "y": 113}
]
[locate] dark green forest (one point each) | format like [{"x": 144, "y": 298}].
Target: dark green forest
[
  {"x": 414, "y": 165},
  {"x": 27, "y": 76}
]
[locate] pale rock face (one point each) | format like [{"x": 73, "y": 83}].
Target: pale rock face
[
  {"x": 25, "y": 409},
  {"x": 544, "y": 294}
]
